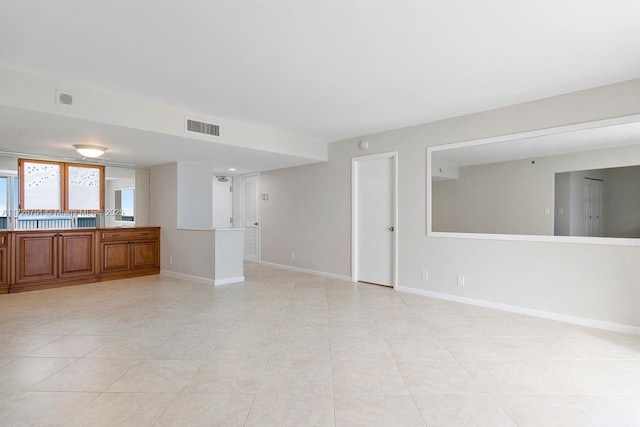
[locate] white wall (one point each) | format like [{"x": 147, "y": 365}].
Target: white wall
[
  {"x": 28, "y": 91},
  {"x": 195, "y": 195},
  {"x": 192, "y": 251},
  {"x": 309, "y": 212}
]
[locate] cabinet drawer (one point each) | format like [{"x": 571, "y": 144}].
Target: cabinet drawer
[{"x": 128, "y": 235}]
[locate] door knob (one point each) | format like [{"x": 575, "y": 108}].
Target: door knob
[
  {"x": 255, "y": 223},
  {"x": 392, "y": 228}
]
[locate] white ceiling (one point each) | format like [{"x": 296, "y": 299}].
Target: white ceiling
[
  {"x": 328, "y": 69},
  {"x": 32, "y": 132},
  {"x": 539, "y": 146}
]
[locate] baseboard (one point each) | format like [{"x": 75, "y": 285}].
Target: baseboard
[
  {"x": 189, "y": 277},
  {"x": 304, "y": 270},
  {"x": 582, "y": 321},
  {"x": 228, "y": 280}
]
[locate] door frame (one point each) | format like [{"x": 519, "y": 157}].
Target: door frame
[
  {"x": 259, "y": 226},
  {"x": 354, "y": 212}
]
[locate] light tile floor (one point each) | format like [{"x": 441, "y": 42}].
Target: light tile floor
[{"x": 290, "y": 349}]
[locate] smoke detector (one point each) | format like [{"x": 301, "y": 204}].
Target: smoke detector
[{"x": 64, "y": 98}]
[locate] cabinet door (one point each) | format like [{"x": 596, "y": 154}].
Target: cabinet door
[
  {"x": 36, "y": 257},
  {"x": 4, "y": 270},
  {"x": 144, "y": 254},
  {"x": 77, "y": 254},
  {"x": 115, "y": 257}
]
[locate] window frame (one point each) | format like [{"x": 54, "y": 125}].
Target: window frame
[
  {"x": 101, "y": 168},
  {"x": 21, "y": 181},
  {"x": 64, "y": 186}
]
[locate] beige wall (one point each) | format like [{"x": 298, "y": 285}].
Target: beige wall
[
  {"x": 498, "y": 198},
  {"x": 562, "y": 222},
  {"x": 141, "y": 206},
  {"x": 308, "y": 212},
  {"x": 622, "y": 202},
  {"x": 9, "y": 164},
  {"x": 192, "y": 251}
]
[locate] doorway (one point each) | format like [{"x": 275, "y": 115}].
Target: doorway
[
  {"x": 250, "y": 209},
  {"x": 222, "y": 201},
  {"x": 374, "y": 213}
]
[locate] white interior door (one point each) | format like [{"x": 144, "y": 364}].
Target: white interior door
[
  {"x": 593, "y": 207},
  {"x": 250, "y": 188},
  {"x": 222, "y": 202},
  {"x": 374, "y": 213}
]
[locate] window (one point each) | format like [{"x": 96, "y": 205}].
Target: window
[
  {"x": 125, "y": 205},
  {"x": 84, "y": 188},
  {"x": 41, "y": 185},
  {"x": 53, "y": 188}
]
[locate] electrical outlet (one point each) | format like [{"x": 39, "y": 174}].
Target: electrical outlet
[
  {"x": 170, "y": 260},
  {"x": 425, "y": 275},
  {"x": 293, "y": 255},
  {"x": 460, "y": 280}
]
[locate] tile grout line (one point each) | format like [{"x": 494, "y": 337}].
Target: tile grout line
[
  {"x": 179, "y": 392},
  {"x": 255, "y": 394},
  {"x": 491, "y": 396},
  {"x": 333, "y": 394}
]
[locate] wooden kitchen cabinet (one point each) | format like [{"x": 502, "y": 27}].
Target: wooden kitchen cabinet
[
  {"x": 129, "y": 253},
  {"x": 115, "y": 257},
  {"x": 40, "y": 259},
  {"x": 53, "y": 258},
  {"x": 77, "y": 252},
  {"x": 35, "y": 258}
]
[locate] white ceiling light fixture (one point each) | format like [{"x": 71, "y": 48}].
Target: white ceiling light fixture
[
  {"x": 91, "y": 151},
  {"x": 232, "y": 169}
]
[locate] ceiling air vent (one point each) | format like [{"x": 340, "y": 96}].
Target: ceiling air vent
[{"x": 202, "y": 127}]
